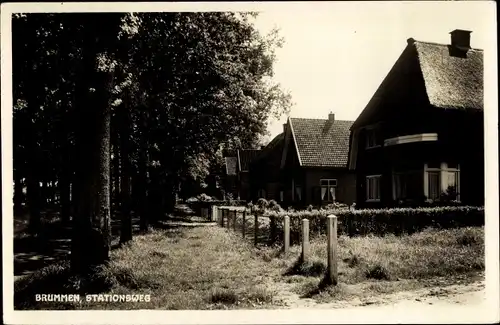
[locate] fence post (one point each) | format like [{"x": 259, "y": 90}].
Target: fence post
[
  {"x": 235, "y": 216},
  {"x": 256, "y": 228},
  {"x": 228, "y": 218},
  {"x": 331, "y": 230},
  {"x": 286, "y": 235},
  {"x": 221, "y": 210},
  {"x": 243, "y": 223},
  {"x": 305, "y": 240}
]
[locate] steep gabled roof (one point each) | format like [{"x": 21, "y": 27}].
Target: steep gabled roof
[
  {"x": 276, "y": 143},
  {"x": 245, "y": 157},
  {"x": 451, "y": 80},
  {"x": 320, "y": 142}
]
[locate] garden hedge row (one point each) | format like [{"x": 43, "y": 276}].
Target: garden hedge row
[
  {"x": 382, "y": 221},
  {"x": 198, "y": 205}
]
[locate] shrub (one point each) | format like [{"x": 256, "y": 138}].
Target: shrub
[
  {"x": 383, "y": 221},
  {"x": 262, "y": 203},
  {"x": 274, "y": 206},
  {"x": 336, "y": 205},
  {"x": 204, "y": 198},
  {"x": 377, "y": 272}
]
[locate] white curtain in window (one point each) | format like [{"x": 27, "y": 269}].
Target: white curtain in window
[
  {"x": 323, "y": 192},
  {"x": 434, "y": 185},
  {"x": 452, "y": 179},
  {"x": 332, "y": 193}
]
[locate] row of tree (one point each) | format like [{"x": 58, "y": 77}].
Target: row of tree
[{"x": 125, "y": 109}]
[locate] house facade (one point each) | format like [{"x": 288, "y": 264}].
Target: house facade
[
  {"x": 307, "y": 164},
  {"x": 237, "y": 179},
  {"x": 420, "y": 137}
]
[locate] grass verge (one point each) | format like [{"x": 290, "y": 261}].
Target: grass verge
[{"x": 212, "y": 268}]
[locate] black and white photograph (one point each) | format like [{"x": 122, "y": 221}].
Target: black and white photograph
[{"x": 250, "y": 162}]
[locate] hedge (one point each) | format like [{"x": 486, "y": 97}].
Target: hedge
[
  {"x": 382, "y": 221},
  {"x": 198, "y": 205}
]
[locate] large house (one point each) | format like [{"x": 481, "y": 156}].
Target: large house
[
  {"x": 420, "y": 137},
  {"x": 306, "y": 164}
]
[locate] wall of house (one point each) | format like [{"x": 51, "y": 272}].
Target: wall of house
[
  {"x": 460, "y": 140},
  {"x": 244, "y": 186},
  {"x": 345, "y": 191}
]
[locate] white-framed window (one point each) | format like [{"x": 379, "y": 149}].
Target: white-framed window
[
  {"x": 442, "y": 179},
  {"x": 372, "y": 138},
  {"x": 328, "y": 187},
  {"x": 373, "y": 188}
]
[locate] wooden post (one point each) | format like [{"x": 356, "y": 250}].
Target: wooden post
[
  {"x": 235, "y": 216},
  {"x": 221, "y": 210},
  {"x": 331, "y": 230},
  {"x": 243, "y": 223},
  {"x": 286, "y": 234},
  {"x": 305, "y": 240},
  {"x": 228, "y": 218},
  {"x": 256, "y": 228}
]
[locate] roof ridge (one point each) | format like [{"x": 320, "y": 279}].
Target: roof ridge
[
  {"x": 441, "y": 44},
  {"x": 318, "y": 119}
]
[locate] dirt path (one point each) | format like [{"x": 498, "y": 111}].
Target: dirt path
[{"x": 448, "y": 295}]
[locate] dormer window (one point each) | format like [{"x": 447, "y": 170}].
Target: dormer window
[{"x": 372, "y": 138}]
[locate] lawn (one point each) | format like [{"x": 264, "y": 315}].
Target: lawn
[{"x": 207, "y": 267}]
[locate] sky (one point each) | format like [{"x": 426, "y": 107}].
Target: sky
[{"x": 336, "y": 53}]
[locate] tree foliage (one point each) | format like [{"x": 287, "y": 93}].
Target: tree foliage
[{"x": 176, "y": 88}]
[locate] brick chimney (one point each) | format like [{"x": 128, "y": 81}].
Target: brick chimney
[
  {"x": 331, "y": 117},
  {"x": 460, "y": 39}
]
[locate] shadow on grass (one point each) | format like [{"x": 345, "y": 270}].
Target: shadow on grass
[
  {"x": 306, "y": 268},
  {"x": 58, "y": 279},
  {"x": 326, "y": 284}
]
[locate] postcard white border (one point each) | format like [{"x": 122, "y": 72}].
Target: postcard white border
[{"x": 487, "y": 312}]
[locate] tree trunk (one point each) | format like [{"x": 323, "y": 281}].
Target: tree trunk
[
  {"x": 155, "y": 209},
  {"x": 64, "y": 185},
  {"x": 126, "y": 220},
  {"x": 18, "y": 193},
  {"x": 143, "y": 175},
  {"x": 92, "y": 228},
  {"x": 170, "y": 195},
  {"x": 33, "y": 177},
  {"x": 33, "y": 194},
  {"x": 116, "y": 168}
]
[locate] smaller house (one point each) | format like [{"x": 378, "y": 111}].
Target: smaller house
[
  {"x": 237, "y": 172},
  {"x": 306, "y": 164},
  {"x": 265, "y": 171},
  {"x": 420, "y": 137}
]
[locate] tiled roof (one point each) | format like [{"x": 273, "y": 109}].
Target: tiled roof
[
  {"x": 321, "y": 143},
  {"x": 451, "y": 81},
  {"x": 245, "y": 157},
  {"x": 275, "y": 144},
  {"x": 231, "y": 165}
]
